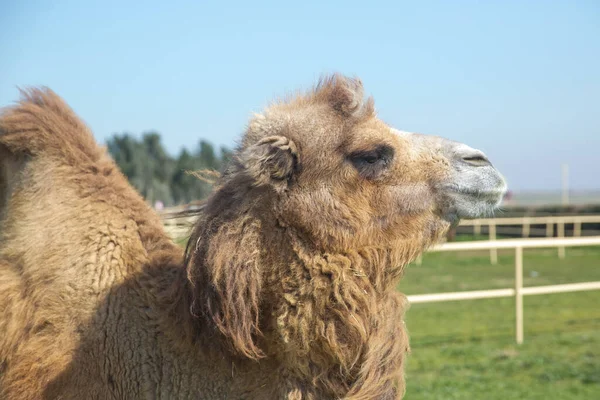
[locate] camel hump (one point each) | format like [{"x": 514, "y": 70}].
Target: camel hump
[{"x": 42, "y": 124}]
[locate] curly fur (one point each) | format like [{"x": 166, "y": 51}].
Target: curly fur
[
  {"x": 332, "y": 320},
  {"x": 287, "y": 286}
]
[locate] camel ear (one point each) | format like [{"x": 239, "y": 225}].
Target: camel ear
[
  {"x": 346, "y": 96},
  {"x": 272, "y": 161}
]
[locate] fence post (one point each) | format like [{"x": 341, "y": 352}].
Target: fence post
[
  {"x": 550, "y": 228},
  {"x": 519, "y": 294},
  {"x": 561, "y": 234},
  {"x": 493, "y": 252},
  {"x": 526, "y": 227},
  {"x": 476, "y": 228},
  {"x": 577, "y": 228}
]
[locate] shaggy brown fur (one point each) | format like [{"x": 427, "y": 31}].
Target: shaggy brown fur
[{"x": 287, "y": 289}]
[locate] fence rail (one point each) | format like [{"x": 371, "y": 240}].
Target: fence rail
[
  {"x": 567, "y": 219},
  {"x": 526, "y": 222},
  {"x": 176, "y": 217},
  {"x": 518, "y": 291}
]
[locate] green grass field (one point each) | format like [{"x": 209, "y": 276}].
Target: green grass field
[{"x": 466, "y": 349}]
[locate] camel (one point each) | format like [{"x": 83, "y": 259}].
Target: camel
[{"x": 287, "y": 287}]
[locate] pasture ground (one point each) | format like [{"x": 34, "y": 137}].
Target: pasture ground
[{"x": 466, "y": 349}]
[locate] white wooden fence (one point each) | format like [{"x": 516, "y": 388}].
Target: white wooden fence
[
  {"x": 526, "y": 222},
  {"x": 518, "y": 291}
]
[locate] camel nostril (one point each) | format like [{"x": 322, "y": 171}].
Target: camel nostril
[
  {"x": 476, "y": 160},
  {"x": 463, "y": 154}
]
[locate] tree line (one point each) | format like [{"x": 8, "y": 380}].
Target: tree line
[{"x": 158, "y": 176}]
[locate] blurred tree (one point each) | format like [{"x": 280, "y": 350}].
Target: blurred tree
[
  {"x": 157, "y": 170},
  {"x": 128, "y": 154},
  {"x": 184, "y": 186},
  {"x": 123, "y": 149},
  {"x": 225, "y": 156},
  {"x": 206, "y": 156},
  {"x": 160, "y": 177}
]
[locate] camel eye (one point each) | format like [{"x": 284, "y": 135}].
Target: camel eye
[{"x": 371, "y": 163}]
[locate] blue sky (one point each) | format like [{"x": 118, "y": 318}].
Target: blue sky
[{"x": 517, "y": 79}]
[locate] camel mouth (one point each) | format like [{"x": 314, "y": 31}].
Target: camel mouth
[
  {"x": 477, "y": 198},
  {"x": 475, "y": 188},
  {"x": 472, "y": 186}
]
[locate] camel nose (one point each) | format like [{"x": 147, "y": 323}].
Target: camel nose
[{"x": 471, "y": 156}]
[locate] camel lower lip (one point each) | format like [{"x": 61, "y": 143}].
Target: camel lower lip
[{"x": 493, "y": 198}]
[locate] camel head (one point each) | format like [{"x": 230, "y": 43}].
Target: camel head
[
  {"x": 346, "y": 179},
  {"x": 307, "y": 232}
]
